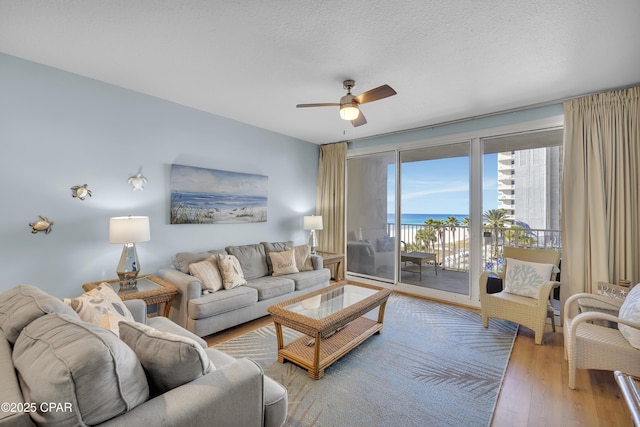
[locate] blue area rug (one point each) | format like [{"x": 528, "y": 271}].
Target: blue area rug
[{"x": 433, "y": 365}]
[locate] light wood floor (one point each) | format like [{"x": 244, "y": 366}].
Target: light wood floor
[{"x": 534, "y": 390}]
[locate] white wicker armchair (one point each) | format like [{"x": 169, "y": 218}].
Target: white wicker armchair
[
  {"x": 529, "y": 312},
  {"x": 592, "y": 346}
]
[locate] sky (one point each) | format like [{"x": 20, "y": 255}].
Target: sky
[{"x": 442, "y": 186}]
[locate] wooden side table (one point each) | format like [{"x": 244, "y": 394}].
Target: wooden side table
[
  {"x": 153, "y": 290},
  {"x": 330, "y": 258}
]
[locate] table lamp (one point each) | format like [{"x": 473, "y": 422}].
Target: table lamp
[
  {"x": 313, "y": 223},
  {"x": 129, "y": 230}
]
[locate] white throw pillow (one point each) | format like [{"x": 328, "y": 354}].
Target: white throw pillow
[
  {"x": 303, "y": 257},
  {"x": 283, "y": 262},
  {"x": 630, "y": 311},
  {"x": 111, "y": 321},
  {"x": 208, "y": 273},
  {"x": 232, "y": 275},
  {"x": 93, "y": 305},
  {"x": 524, "y": 278}
]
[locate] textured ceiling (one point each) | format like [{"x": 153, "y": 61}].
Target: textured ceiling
[{"x": 254, "y": 60}]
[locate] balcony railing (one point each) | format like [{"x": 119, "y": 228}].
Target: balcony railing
[{"x": 451, "y": 244}]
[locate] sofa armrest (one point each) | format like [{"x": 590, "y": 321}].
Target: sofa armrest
[
  {"x": 316, "y": 261},
  {"x": 138, "y": 309},
  {"x": 232, "y": 394},
  {"x": 189, "y": 288}
]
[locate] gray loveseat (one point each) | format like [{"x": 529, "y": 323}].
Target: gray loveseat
[
  {"x": 206, "y": 313},
  {"x": 57, "y": 370}
]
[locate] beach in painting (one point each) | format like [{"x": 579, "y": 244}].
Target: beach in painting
[{"x": 209, "y": 196}]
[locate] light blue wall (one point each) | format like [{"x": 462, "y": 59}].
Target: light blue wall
[{"x": 58, "y": 129}]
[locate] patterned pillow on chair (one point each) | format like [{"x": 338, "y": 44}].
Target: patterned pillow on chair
[{"x": 524, "y": 278}]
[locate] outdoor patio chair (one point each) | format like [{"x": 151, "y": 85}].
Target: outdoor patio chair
[
  {"x": 590, "y": 345},
  {"x": 529, "y": 311}
]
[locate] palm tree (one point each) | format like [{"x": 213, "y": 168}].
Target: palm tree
[
  {"x": 427, "y": 236},
  {"x": 517, "y": 234},
  {"x": 453, "y": 224},
  {"x": 496, "y": 219}
]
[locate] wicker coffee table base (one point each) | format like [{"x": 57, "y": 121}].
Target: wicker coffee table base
[{"x": 321, "y": 347}]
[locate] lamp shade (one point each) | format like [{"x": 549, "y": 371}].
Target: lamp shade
[
  {"x": 129, "y": 229},
  {"x": 349, "y": 111},
  {"x": 313, "y": 222}
]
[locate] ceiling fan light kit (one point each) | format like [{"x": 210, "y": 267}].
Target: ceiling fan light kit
[{"x": 349, "y": 104}]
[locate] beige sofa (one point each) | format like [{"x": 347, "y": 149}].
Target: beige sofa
[
  {"x": 206, "y": 313},
  {"x": 56, "y": 369}
]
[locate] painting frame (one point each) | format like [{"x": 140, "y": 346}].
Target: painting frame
[{"x": 213, "y": 196}]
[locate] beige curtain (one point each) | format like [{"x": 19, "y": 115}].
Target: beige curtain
[
  {"x": 330, "y": 198},
  {"x": 600, "y": 186}
]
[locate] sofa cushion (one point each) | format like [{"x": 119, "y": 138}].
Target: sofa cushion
[
  {"x": 169, "y": 360},
  {"x": 208, "y": 273},
  {"x": 308, "y": 279},
  {"x": 274, "y": 247},
  {"x": 94, "y": 304},
  {"x": 222, "y": 302},
  {"x": 283, "y": 262},
  {"x": 60, "y": 358},
  {"x": 185, "y": 259},
  {"x": 252, "y": 259},
  {"x": 25, "y": 303},
  {"x": 270, "y": 287},
  {"x": 231, "y": 271},
  {"x": 303, "y": 257},
  {"x": 165, "y": 325}
]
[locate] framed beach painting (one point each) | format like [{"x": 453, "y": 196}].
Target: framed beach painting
[{"x": 210, "y": 196}]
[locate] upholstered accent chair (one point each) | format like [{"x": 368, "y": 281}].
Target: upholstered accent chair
[
  {"x": 589, "y": 344},
  {"x": 509, "y": 304}
]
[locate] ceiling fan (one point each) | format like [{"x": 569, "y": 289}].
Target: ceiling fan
[{"x": 349, "y": 103}]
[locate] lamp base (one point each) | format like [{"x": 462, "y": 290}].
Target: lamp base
[
  {"x": 128, "y": 267},
  {"x": 313, "y": 241}
]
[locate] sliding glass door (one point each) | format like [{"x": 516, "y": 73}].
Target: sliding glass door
[
  {"x": 434, "y": 220},
  {"x": 371, "y": 197}
]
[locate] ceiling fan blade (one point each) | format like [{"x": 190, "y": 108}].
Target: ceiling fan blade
[
  {"x": 328, "y": 104},
  {"x": 380, "y": 92},
  {"x": 359, "y": 121}
]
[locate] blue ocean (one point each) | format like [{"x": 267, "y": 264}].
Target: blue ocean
[
  {"x": 421, "y": 218},
  {"x": 224, "y": 202}
]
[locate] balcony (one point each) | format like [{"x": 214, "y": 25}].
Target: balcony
[{"x": 452, "y": 249}]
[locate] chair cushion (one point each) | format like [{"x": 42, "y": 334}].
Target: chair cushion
[
  {"x": 169, "y": 360},
  {"x": 60, "y": 358},
  {"x": 94, "y": 304},
  {"x": 208, "y": 273},
  {"x": 25, "y": 303},
  {"x": 252, "y": 259},
  {"x": 630, "y": 311},
  {"x": 525, "y": 278},
  {"x": 283, "y": 262}
]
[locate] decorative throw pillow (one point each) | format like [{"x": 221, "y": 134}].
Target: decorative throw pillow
[
  {"x": 208, "y": 273},
  {"x": 231, "y": 271},
  {"x": 62, "y": 359},
  {"x": 302, "y": 255},
  {"x": 169, "y": 360},
  {"x": 630, "y": 311},
  {"x": 283, "y": 262},
  {"x": 93, "y": 305},
  {"x": 25, "y": 303},
  {"x": 185, "y": 259},
  {"x": 111, "y": 321},
  {"x": 524, "y": 278}
]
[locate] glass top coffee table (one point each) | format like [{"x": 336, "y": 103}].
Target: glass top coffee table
[{"x": 332, "y": 321}]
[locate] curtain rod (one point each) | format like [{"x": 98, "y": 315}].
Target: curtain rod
[{"x": 482, "y": 116}]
